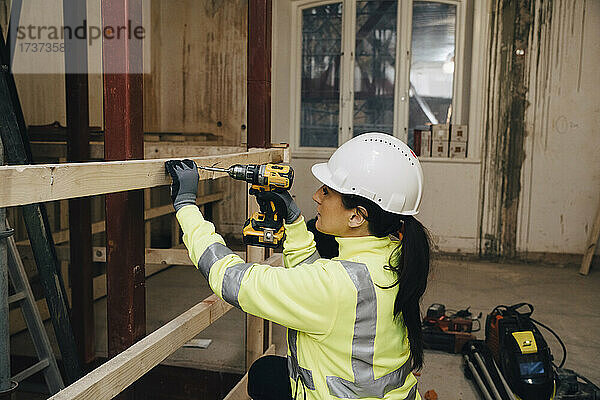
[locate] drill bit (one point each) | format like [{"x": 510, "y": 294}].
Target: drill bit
[{"x": 215, "y": 169}]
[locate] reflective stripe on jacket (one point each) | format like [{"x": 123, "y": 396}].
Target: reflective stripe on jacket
[{"x": 342, "y": 339}]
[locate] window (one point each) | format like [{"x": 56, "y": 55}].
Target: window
[
  {"x": 374, "y": 65},
  {"x": 321, "y": 54},
  {"x": 432, "y": 65}
]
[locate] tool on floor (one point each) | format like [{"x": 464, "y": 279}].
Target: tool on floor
[
  {"x": 447, "y": 332},
  {"x": 264, "y": 228},
  {"x": 514, "y": 362},
  {"x": 521, "y": 352}
]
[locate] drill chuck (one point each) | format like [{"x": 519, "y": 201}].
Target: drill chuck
[
  {"x": 266, "y": 175},
  {"x": 250, "y": 173}
]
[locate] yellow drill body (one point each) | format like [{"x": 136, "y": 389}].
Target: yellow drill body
[{"x": 264, "y": 228}]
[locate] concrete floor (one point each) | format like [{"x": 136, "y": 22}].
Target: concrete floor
[{"x": 564, "y": 300}]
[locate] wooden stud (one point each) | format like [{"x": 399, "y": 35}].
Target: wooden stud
[
  {"x": 259, "y": 73},
  {"x": 64, "y": 226},
  {"x": 254, "y": 325},
  {"x": 147, "y": 224}
]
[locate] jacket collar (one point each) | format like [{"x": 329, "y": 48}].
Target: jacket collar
[{"x": 353, "y": 246}]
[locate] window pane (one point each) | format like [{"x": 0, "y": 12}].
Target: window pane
[
  {"x": 375, "y": 66},
  {"x": 432, "y": 64},
  {"x": 321, "y": 53}
]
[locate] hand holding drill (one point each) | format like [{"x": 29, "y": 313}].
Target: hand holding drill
[{"x": 270, "y": 184}]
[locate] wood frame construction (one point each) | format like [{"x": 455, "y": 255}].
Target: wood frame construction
[
  {"x": 56, "y": 183},
  {"x": 156, "y": 259},
  {"x": 114, "y": 376}
]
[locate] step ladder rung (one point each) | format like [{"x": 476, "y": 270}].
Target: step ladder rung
[
  {"x": 34, "y": 369},
  {"x": 17, "y": 297},
  {"x": 25, "y": 300}
]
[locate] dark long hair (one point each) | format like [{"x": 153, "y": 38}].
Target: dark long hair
[{"x": 410, "y": 262}]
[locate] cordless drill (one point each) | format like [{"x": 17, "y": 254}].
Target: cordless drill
[{"x": 264, "y": 228}]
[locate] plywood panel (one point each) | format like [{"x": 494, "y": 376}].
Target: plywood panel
[
  {"x": 197, "y": 83},
  {"x": 198, "y": 80}
]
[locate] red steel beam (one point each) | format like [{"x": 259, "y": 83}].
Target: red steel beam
[
  {"x": 123, "y": 136},
  {"x": 259, "y": 73}
]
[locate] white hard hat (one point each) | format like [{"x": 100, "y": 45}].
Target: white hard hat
[{"x": 378, "y": 167}]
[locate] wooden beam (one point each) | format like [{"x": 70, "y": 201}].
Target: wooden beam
[
  {"x": 80, "y": 215},
  {"x": 112, "y": 377},
  {"x": 259, "y": 73},
  {"x": 240, "y": 391},
  {"x": 100, "y": 226},
  {"x": 26, "y": 184},
  {"x": 254, "y": 325},
  {"x": 17, "y": 323},
  {"x": 168, "y": 256},
  {"x": 152, "y": 150}
]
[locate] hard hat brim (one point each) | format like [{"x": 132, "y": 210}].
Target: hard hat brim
[{"x": 323, "y": 174}]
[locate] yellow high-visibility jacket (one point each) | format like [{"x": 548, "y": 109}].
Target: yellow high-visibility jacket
[{"x": 342, "y": 338}]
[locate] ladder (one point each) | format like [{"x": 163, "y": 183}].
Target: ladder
[{"x": 23, "y": 296}]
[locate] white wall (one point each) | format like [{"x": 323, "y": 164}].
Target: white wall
[{"x": 561, "y": 174}]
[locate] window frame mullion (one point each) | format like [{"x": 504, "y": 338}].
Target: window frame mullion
[
  {"x": 347, "y": 77},
  {"x": 403, "y": 58}
]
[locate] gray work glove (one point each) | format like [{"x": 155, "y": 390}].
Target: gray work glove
[
  {"x": 283, "y": 203},
  {"x": 185, "y": 182}
]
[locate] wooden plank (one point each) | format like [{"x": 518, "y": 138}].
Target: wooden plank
[
  {"x": 240, "y": 391},
  {"x": 26, "y": 184},
  {"x": 97, "y": 227},
  {"x": 168, "y": 256},
  {"x": 147, "y": 224},
  {"x": 17, "y": 323},
  {"x": 259, "y": 73},
  {"x": 198, "y": 79},
  {"x": 590, "y": 249},
  {"x": 112, "y": 377},
  {"x": 254, "y": 325},
  {"x": 80, "y": 216},
  {"x": 152, "y": 150}
]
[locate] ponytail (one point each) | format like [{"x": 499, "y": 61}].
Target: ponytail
[
  {"x": 411, "y": 268},
  {"x": 409, "y": 261}
]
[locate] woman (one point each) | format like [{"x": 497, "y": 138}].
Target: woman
[{"x": 354, "y": 326}]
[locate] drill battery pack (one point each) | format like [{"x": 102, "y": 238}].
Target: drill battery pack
[{"x": 264, "y": 232}]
